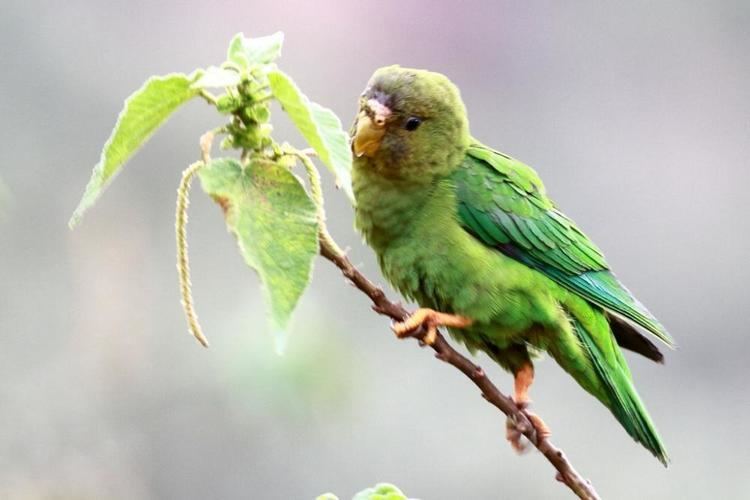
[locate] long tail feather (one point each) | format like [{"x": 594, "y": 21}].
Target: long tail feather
[{"x": 621, "y": 397}]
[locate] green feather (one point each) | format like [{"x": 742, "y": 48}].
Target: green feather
[
  {"x": 574, "y": 262},
  {"x": 619, "y": 394},
  {"x": 464, "y": 229}
]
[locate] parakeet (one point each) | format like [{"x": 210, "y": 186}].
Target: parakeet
[{"x": 470, "y": 234}]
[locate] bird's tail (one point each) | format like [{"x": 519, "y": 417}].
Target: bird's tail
[{"x": 614, "y": 387}]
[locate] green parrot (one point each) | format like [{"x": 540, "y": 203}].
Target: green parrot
[{"x": 470, "y": 235}]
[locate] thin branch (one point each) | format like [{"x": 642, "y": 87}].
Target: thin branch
[
  {"x": 445, "y": 352},
  {"x": 382, "y": 305},
  {"x": 316, "y": 192}
]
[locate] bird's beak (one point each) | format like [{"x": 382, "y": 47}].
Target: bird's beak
[{"x": 370, "y": 130}]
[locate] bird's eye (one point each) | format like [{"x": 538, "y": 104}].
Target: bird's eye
[{"x": 412, "y": 123}]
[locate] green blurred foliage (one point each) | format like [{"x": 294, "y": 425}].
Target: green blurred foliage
[{"x": 381, "y": 491}]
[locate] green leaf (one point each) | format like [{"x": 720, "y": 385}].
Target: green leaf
[
  {"x": 247, "y": 52},
  {"x": 217, "y": 77},
  {"x": 274, "y": 220},
  {"x": 382, "y": 491},
  {"x": 320, "y": 127},
  {"x": 144, "y": 111}
]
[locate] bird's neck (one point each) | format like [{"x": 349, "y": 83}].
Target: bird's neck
[{"x": 388, "y": 208}]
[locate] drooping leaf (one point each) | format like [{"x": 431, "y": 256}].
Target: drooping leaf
[
  {"x": 274, "y": 220},
  {"x": 214, "y": 77},
  {"x": 320, "y": 127},
  {"x": 246, "y": 52},
  {"x": 144, "y": 111}
]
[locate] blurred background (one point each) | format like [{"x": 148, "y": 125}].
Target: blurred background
[{"x": 636, "y": 115}]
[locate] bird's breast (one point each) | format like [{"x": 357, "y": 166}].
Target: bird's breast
[{"x": 387, "y": 209}]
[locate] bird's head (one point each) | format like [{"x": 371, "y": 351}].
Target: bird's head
[{"x": 410, "y": 123}]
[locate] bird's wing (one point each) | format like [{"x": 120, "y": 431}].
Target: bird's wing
[{"x": 502, "y": 202}]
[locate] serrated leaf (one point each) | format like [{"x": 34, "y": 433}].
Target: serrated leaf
[
  {"x": 144, "y": 111},
  {"x": 320, "y": 127},
  {"x": 246, "y": 52},
  {"x": 214, "y": 77},
  {"x": 268, "y": 210}
]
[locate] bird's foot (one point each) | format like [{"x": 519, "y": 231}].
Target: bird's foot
[
  {"x": 431, "y": 320},
  {"x": 514, "y": 435}
]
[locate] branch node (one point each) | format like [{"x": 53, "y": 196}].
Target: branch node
[
  {"x": 442, "y": 357},
  {"x": 378, "y": 295},
  {"x": 380, "y": 310}
]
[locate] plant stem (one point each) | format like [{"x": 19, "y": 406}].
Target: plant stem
[
  {"x": 209, "y": 97},
  {"x": 317, "y": 195}
]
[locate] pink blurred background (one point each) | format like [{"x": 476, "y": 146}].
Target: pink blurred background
[{"x": 637, "y": 116}]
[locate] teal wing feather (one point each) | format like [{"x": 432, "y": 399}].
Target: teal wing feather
[{"x": 502, "y": 202}]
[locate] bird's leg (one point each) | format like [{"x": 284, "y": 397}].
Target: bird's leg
[
  {"x": 523, "y": 378},
  {"x": 431, "y": 320}
]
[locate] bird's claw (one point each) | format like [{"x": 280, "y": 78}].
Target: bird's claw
[
  {"x": 430, "y": 320},
  {"x": 515, "y": 435},
  {"x": 408, "y": 328}
]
